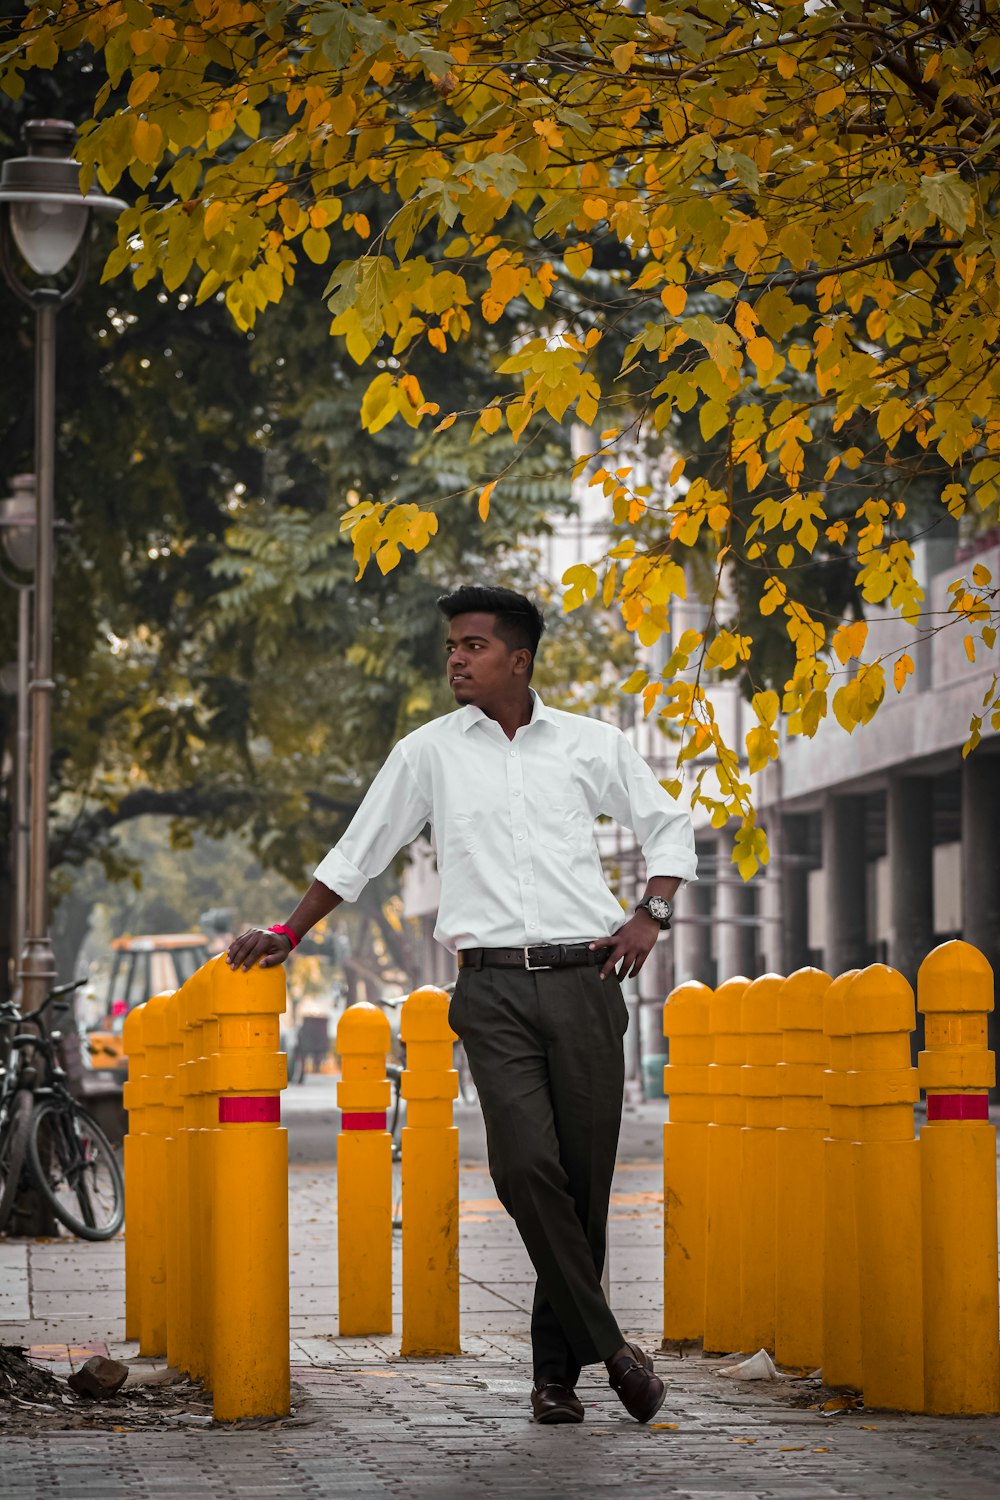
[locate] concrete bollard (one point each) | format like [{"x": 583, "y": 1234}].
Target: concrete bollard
[
  {"x": 153, "y": 1214},
  {"x": 195, "y": 1262},
  {"x": 249, "y": 1252},
  {"x": 430, "y": 1179},
  {"x": 364, "y": 1174},
  {"x": 758, "y": 1163},
  {"x": 203, "y": 1225},
  {"x": 175, "y": 1219},
  {"x": 959, "y": 1184},
  {"x": 798, "y": 1313},
  {"x": 685, "y": 1147},
  {"x": 136, "y": 1201},
  {"x": 882, "y": 1089},
  {"x": 841, "y": 1323},
  {"x": 723, "y": 1140}
]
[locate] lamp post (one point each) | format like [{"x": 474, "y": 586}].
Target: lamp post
[
  {"x": 44, "y": 215},
  {"x": 17, "y": 523}
]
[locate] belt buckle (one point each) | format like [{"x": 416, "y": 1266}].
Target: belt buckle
[{"x": 534, "y": 968}]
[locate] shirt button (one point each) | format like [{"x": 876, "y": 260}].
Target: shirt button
[
  {"x": 513, "y": 754},
  {"x": 517, "y": 794},
  {"x": 520, "y": 835}
]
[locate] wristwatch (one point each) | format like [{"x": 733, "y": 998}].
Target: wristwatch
[{"x": 659, "y": 909}]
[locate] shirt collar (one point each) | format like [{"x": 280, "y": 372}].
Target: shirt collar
[{"x": 470, "y": 714}]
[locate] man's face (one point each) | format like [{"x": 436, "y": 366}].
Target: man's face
[{"x": 480, "y": 666}]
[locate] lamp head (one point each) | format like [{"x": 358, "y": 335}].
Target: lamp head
[
  {"x": 41, "y": 194},
  {"x": 17, "y": 522}
]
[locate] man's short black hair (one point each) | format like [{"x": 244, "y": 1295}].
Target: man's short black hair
[{"x": 519, "y": 621}]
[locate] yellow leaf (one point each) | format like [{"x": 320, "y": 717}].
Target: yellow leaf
[
  {"x": 849, "y": 641},
  {"x": 981, "y": 576},
  {"x": 636, "y": 682},
  {"x": 676, "y": 470},
  {"x": 901, "y": 671},
  {"x": 446, "y": 422},
  {"x": 217, "y": 216},
  {"x": 577, "y": 259},
  {"x": 830, "y": 99},
  {"x": 484, "y": 499},
  {"x": 142, "y": 86},
  {"x": 970, "y": 647},
  {"x": 674, "y": 299},
  {"x": 147, "y": 141},
  {"x": 490, "y": 419},
  {"x": 786, "y": 555},
  {"x": 622, "y": 56},
  {"x": 360, "y": 226},
  {"x": 786, "y": 65},
  {"x": 761, "y": 351},
  {"x": 745, "y": 320},
  {"x": 316, "y": 244}
]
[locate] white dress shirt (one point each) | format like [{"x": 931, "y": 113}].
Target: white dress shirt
[{"x": 513, "y": 825}]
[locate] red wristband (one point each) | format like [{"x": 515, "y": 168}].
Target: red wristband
[{"x": 287, "y": 932}]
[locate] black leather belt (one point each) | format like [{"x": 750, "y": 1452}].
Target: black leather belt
[{"x": 536, "y": 956}]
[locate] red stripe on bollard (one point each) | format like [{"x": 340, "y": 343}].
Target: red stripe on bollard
[
  {"x": 262, "y": 1109},
  {"x": 373, "y": 1121},
  {"x": 957, "y": 1107}
]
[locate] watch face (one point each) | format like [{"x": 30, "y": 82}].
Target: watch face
[{"x": 659, "y": 908}]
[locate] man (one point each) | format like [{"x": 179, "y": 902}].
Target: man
[{"x": 511, "y": 790}]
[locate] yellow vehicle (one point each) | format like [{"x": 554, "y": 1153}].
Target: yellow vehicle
[{"x": 142, "y": 967}]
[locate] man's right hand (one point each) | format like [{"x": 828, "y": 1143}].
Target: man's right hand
[{"x": 258, "y": 946}]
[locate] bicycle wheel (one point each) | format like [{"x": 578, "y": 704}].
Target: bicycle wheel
[
  {"x": 77, "y": 1170},
  {"x": 13, "y": 1152}
]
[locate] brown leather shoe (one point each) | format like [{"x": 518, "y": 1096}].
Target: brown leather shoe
[
  {"x": 632, "y": 1379},
  {"x": 552, "y": 1403}
]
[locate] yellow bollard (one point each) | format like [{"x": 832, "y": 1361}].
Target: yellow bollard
[
  {"x": 724, "y": 1137},
  {"x": 193, "y": 1263},
  {"x": 364, "y": 1174},
  {"x": 249, "y": 1253},
  {"x": 758, "y": 1163},
  {"x": 174, "y": 1225},
  {"x": 154, "y": 1214},
  {"x": 798, "y": 1313},
  {"x": 430, "y": 1179},
  {"x": 134, "y": 1165},
  {"x": 841, "y": 1292},
  {"x": 685, "y": 1149},
  {"x": 958, "y": 1176},
  {"x": 882, "y": 1089},
  {"x": 205, "y": 1139}
]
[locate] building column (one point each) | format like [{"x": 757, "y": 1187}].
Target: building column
[
  {"x": 846, "y": 901},
  {"x": 910, "y": 841},
  {"x": 792, "y": 831},
  {"x": 692, "y": 934},
  {"x": 981, "y": 865},
  {"x": 734, "y": 934}
]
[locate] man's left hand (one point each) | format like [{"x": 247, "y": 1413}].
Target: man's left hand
[{"x": 630, "y": 946}]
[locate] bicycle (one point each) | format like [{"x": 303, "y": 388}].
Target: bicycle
[
  {"x": 394, "y": 1070},
  {"x": 50, "y": 1139}
]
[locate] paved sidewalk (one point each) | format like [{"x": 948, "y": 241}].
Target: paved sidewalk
[{"x": 369, "y": 1424}]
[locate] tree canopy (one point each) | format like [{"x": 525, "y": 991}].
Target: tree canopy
[{"x": 788, "y": 208}]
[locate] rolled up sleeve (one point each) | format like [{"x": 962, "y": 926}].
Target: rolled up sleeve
[
  {"x": 392, "y": 813},
  {"x": 663, "y": 829}
]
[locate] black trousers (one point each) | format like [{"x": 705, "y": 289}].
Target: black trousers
[{"x": 545, "y": 1050}]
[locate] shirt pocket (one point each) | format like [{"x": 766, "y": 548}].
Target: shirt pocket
[{"x": 563, "y": 825}]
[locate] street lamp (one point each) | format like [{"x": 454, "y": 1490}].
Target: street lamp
[
  {"x": 17, "y": 524},
  {"x": 46, "y": 217}
]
